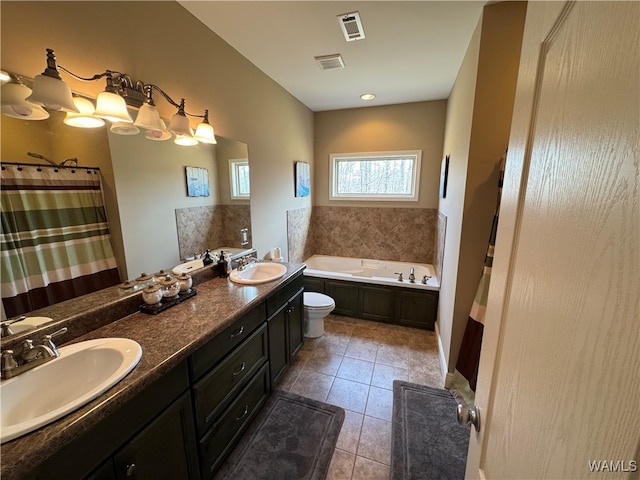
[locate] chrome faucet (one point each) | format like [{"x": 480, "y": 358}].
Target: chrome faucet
[
  {"x": 5, "y": 326},
  {"x": 245, "y": 261},
  {"x": 412, "y": 275},
  {"x": 29, "y": 356}
]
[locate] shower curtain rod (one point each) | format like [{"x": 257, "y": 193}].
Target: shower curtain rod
[{"x": 21, "y": 164}]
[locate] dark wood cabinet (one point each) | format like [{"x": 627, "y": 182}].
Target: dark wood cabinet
[
  {"x": 165, "y": 449},
  {"x": 295, "y": 324},
  {"x": 345, "y": 295},
  {"x": 376, "y": 303},
  {"x": 403, "y": 306},
  {"x": 278, "y": 344},
  {"x": 417, "y": 309}
]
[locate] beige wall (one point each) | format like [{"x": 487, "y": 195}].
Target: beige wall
[
  {"x": 408, "y": 126},
  {"x": 478, "y": 126},
  {"x": 160, "y": 42}
]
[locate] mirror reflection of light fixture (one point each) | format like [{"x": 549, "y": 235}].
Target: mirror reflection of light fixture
[
  {"x": 49, "y": 90},
  {"x": 204, "y": 131},
  {"x": 86, "y": 117},
  {"x": 14, "y": 103}
]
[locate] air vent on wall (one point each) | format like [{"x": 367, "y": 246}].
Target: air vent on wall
[
  {"x": 351, "y": 26},
  {"x": 329, "y": 62}
]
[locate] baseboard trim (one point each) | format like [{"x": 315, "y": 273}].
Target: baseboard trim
[{"x": 443, "y": 361}]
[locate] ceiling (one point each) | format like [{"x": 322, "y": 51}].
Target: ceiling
[{"x": 411, "y": 51}]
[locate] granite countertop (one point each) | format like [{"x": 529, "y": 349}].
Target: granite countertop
[{"x": 167, "y": 339}]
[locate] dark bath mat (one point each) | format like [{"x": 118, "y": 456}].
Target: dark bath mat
[
  {"x": 292, "y": 437},
  {"x": 427, "y": 441}
]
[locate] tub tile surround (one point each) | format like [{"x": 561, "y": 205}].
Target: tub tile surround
[
  {"x": 200, "y": 228},
  {"x": 353, "y": 365},
  {"x": 397, "y": 234}
]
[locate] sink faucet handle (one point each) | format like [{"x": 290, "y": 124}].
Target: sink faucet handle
[
  {"x": 8, "y": 362},
  {"x": 400, "y": 279},
  {"x": 5, "y": 326},
  {"x": 48, "y": 342}
]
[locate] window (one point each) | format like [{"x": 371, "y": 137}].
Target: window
[
  {"x": 239, "y": 175},
  {"x": 375, "y": 176}
]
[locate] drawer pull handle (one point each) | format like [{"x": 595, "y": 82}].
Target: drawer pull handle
[
  {"x": 244, "y": 414},
  {"x": 130, "y": 470},
  {"x": 239, "y": 371},
  {"x": 237, "y": 332}
]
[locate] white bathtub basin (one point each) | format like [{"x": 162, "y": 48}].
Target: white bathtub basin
[
  {"x": 188, "y": 267},
  {"x": 82, "y": 372}
]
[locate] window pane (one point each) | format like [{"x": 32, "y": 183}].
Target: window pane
[{"x": 384, "y": 176}]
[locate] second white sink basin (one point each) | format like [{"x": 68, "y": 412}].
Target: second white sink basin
[
  {"x": 255, "y": 273},
  {"x": 188, "y": 267},
  {"x": 82, "y": 372}
]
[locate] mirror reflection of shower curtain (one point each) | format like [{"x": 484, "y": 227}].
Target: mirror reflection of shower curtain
[
  {"x": 55, "y": 236},
  {"x": 466, "y": 373}
]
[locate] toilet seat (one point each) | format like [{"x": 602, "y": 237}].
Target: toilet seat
[{"x": 314, "y": 300}]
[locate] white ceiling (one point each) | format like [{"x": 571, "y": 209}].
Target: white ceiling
[{"x": 412, "y": 50}]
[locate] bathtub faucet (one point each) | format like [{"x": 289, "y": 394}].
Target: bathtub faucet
[
  {"x": 412, "y": 275},
  {"x": 399, "y": 276}
]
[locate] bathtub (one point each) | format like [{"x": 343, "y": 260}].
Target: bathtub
[{"x": 378, "y": 272}]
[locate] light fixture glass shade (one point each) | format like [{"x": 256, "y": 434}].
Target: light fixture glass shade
[
  {"x": 52, "y": 93},
  {"x": 14, "y": 103},
  {"x": 122, "y": 128},
  {"x": 112, "y": 107},
  {"x": 185, "y": 140},
  {"x": 158, "y": 135},
  {"x": 205, "y": 134},
  {"x": 179, "y": 125},
  {"x": 149, "y": 118},
  {"x": 86, "y": 117}
]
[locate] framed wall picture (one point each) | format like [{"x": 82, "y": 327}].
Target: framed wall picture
[
  {"x": 444, "y": 176},
  {"x": 197, "y": 181},
  {"x": 303, "y": 179}
]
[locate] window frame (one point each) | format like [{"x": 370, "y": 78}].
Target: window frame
[
  {"x": 414, "y": 196},
  {"x": 234, "y": 163}
]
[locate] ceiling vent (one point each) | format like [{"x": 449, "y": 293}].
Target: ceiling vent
[
  {"x": 330, "y": 62},
  {"x": 351, "y": 26}
]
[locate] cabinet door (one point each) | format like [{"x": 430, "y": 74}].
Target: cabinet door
[
  {"x": 277, "y": 325},
  {"x": 376, "y": 304},
  {"x": 104, "y": 472},
  {"x": 345, "y": 295},
  {"x": 417, "y": 309},
  {"x": 165, "y": 449},
  {"x": 295, "y": 325}
]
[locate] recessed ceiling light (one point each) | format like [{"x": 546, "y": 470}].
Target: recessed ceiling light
[{"x": 367, "y": 96}]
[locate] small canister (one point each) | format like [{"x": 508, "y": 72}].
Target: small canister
[
  {"x": 152, "y": 295},
  {"x": 145, "y": 280},
  {"x": 185, "y": 283},
  {"x": 170, "y": 286}
]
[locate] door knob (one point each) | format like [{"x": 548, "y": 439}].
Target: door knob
[{"x": 468, "y": 416}]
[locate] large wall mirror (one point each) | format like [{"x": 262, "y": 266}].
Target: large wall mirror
[{"x": 153, "y": 221}]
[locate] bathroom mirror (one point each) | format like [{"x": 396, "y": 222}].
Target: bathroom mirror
[{"x": 145, "y": 188}]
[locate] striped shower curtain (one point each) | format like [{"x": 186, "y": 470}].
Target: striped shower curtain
[
  {"x": 466, "y": 373},
  {"x": 55, "y": 237}
]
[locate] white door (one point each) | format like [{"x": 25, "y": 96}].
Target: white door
[{"x": 559, "y": 381}]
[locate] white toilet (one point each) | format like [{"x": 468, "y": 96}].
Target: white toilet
[{"x": 316, "y": 307}]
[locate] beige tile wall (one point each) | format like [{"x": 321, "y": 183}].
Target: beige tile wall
[{"x": 397, "y": 234}]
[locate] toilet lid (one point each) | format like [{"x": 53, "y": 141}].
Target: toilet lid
[{"x": 317, "y": 300}]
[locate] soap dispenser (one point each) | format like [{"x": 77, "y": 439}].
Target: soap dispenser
[
  {"x": 223, "y": 266},
  {"x": 207, "y": 260}
]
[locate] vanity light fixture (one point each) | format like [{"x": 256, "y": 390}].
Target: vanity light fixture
[
  {"x": 50, "y": 91},
  {"x": 14, "y": 103},
  {"x": 86, "y": 117}
]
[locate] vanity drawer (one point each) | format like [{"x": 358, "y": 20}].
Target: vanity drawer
[
  {"x": 220, "y": 345},
  {"x": 216, "y": 389},
  {"x": 227, "y": 430}
]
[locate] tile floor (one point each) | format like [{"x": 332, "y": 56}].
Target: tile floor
[{"x": 353, "y": 365}]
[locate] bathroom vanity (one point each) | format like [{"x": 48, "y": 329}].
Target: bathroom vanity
[{"x": 208, "y": 365}]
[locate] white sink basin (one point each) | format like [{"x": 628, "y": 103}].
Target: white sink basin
[
  {"x": 82, "y": 372},
  {"x": 188, "y": 267},
  {"x": 29, "y": 323},
  {"x": 255, "y": 273}
]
